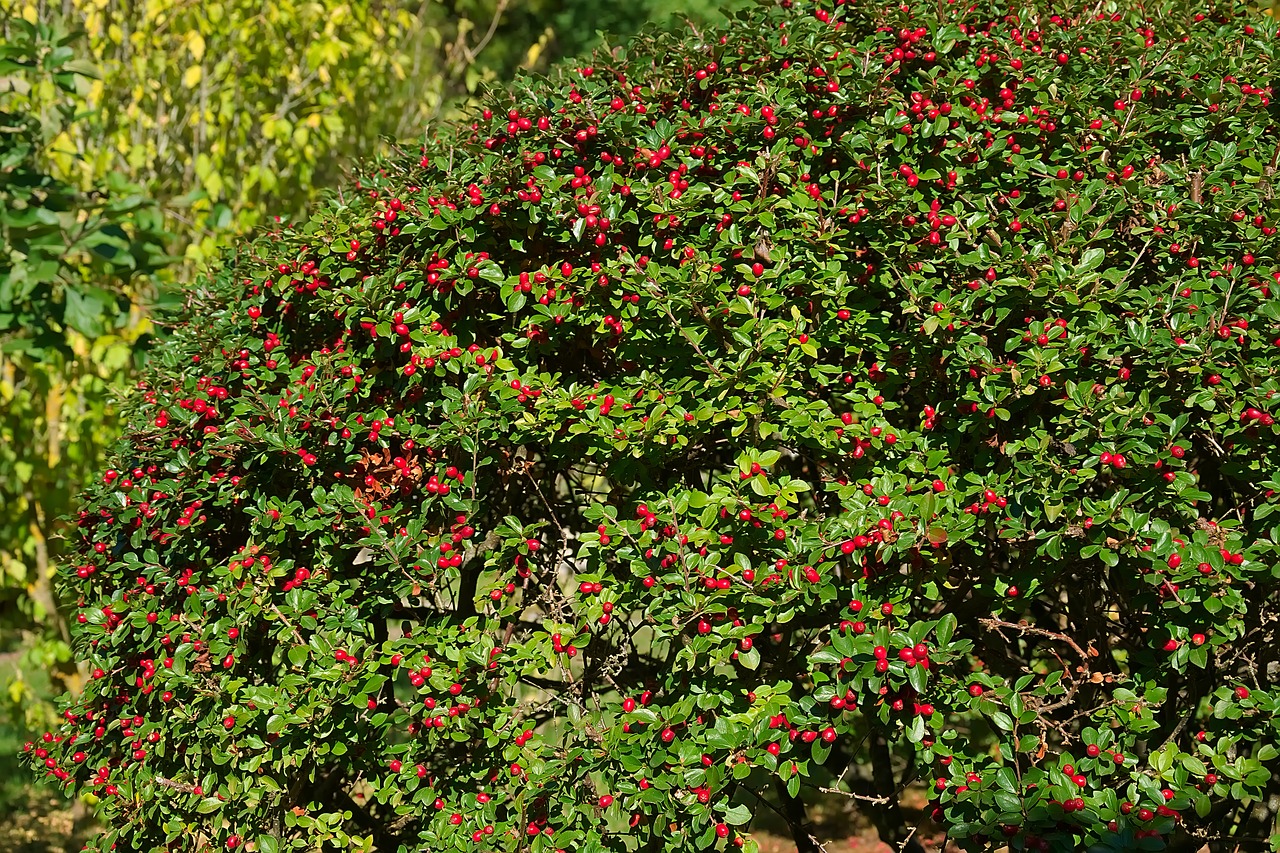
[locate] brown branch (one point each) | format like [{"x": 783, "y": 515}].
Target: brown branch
[
  {"x": 793, "y": 812},
  {"x": 996, "y": 625},
  {"x": 184, "y": 787}
]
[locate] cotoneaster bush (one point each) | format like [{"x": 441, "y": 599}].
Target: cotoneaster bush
[{"x": 846, "y": 400}]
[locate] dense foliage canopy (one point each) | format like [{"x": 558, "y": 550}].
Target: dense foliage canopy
[{"x": 842, "y": 399}]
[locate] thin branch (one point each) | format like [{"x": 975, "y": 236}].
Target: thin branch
[
  {"x": 297, "y": 636},
  {"x": 696, "y": 348},
  {"x": 997, "y": 625}
]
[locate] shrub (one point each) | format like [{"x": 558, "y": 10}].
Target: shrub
[{"x": 845, "y": 400}]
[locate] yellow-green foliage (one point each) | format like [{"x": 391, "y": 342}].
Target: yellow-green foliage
[
  {"x": 231, "y": 112},
  {"x": 74, "y": 255}
]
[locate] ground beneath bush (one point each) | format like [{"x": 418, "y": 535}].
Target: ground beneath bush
[
  {"x": 841, "y": 828},
  {"x": 40, "y": 822},
  {"x": 45, "y": 823}
]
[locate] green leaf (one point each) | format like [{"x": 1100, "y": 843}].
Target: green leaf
[
  {"x": 209, "y": 804},
  {"x": 824, "y": 655},
  {"x": 1091, "y": 259},
  {"x": 1203, "y": 805},
  {"x": 85, "y": 310},
  {"x": 945, "y": 629},
  {"x": 1007, "y": 802},
  {"x": 1002, "y": 721},
  {"x": 917, "y": 677}
]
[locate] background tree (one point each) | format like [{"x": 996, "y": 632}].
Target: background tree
[
  {"x": 71, "y": 274},
  {"x": 233, "y": 113}
]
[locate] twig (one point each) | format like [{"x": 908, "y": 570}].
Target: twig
[
  {"x": 1269, "y": 172},
  {"x": 1136, "y": 260},
  {"x": 996, "y": 625},
  {"x": 553, "y": 588},
  {"x": 472, "y": 53},
  {"x": 184, "y": 787},
  {"x": 865, "y": 798},
  {"x": 297, "y": 636},
  {"x": 1226, "y": 303},
  {"x": 667, "y": 309}
]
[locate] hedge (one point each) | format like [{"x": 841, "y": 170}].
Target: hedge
[{"x": 841, "y": 402}]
